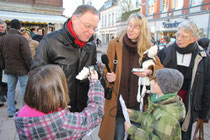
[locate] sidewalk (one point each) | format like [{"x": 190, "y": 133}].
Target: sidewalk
[{"x": 8, "y": 130}]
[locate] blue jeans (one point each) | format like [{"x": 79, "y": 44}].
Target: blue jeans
[
  {"x": 120, "y": 128},
  {"x": 12, "y": 82}
]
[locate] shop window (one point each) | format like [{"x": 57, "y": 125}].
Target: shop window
[
  {"x": 178, "y": 4},
  {"x": 150, "y": 7},
  {"x": 196, "y": 2}
]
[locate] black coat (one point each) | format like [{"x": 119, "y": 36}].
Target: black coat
[
  {"x": 199, "y": 89},
  {"x": 59, "y": 48},
  {"x": 15, "y": 54}
]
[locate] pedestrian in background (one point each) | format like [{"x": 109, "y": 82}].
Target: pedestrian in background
[
  {"x": 193, "y": 62},
  {"x": 72, "y": 48},
  {"x": 15, "y": 58},
  {"x": 33, "y": 32},
  {"x": 129, "y": 48},
  {"x": 46, "y": 114},
  {"x": 204, "y": 42},
  {"x": 3, "y": 27},
  {"x": 33, "y": 44},
  {"x": 38, "y": 37}
]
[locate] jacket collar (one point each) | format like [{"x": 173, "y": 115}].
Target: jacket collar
[{"x": 69, "y": 39}]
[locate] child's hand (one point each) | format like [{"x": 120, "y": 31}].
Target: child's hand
[
  {"x": 129, "y": 112},
  {"x": 127, "y": 126},
  {"x": 93, "y": 75}
]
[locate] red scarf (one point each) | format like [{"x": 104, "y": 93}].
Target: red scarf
[{"x": 76, "y": 40}]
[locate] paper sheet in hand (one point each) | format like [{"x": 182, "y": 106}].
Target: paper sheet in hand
[{"x": 124, "y": 109}]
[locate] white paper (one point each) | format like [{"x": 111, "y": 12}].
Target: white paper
[
  {"x": 124, "y": 109},
  {"x": 89, "y": 133}
]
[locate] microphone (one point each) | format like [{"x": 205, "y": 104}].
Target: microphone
[{"x": 105, "y": 61}]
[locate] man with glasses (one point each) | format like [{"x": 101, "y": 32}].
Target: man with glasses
[
  {"x": 72, "y": 48},
  {"x": 193, "y": 62}
]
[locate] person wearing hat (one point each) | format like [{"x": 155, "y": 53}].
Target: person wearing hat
[
  {"x": 15, "y": 60},
  {"x": 165, "y": 112}
]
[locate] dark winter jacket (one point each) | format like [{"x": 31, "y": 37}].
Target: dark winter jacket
[
  {"x": 59, "y": 48},
  {"x": 198, "y": 97},
  {"x": 15, "y": 54}
]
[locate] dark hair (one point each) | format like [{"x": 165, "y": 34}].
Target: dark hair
[
  {"x": 204, "y": 42},
  {"x": 167, "y": 39},
  {"x": 15, "y": 23},
  {"x": 32, "y": 29},
  {"x": 85, "y": 8},
  {"x": 46, "y": 90},
  {"x": 38, "y": 29}
]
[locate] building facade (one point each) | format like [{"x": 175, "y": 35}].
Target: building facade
[
  {"x": 111, "y": 21},
  {"x": 46, "y": 14},
  {"x": 164, "y": 16}
]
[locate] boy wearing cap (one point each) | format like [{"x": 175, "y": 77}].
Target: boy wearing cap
[{"x": 165, "y": 112}]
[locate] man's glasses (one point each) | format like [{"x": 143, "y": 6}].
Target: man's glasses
[{"x": 88, "y": 26}]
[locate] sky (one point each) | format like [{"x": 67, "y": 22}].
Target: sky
[{"x": 71, "y": 5}]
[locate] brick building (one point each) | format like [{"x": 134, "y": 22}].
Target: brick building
[
  {"x": 165, "y": 15},
  {"x": 47, "y": 14}
]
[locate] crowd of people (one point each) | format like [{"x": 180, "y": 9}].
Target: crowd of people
[{"x": 165, "y": 96}]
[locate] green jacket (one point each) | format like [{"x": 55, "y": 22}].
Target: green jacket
[{"x": 161, "y": 121}]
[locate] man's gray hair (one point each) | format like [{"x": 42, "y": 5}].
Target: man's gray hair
[
  {"x": 190, "y": 27},
  {"x": 4, "y": 23},
  {"x": 85, "y": 8}
]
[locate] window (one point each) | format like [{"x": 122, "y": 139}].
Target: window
[
  {"x": 138, "y": 3},
  {"x": 178, "y": 4},
  {"x": 165, "y": 5},
  {"x": 196, "y": 2},
  {"x": 150, "y": 7},
  {"x": 105, "y": 21},
  {"x": 109, "y": 20},
  {"x": 102, "y": 21},
  {"x": 112, "y": 18}
]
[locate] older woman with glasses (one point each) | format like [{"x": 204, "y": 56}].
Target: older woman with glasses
[
  {"x": 128, "y": 48},
  {"x": 193, "y": 62}
]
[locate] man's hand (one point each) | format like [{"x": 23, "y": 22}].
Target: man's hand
[
  {"x": 111, "y": 77},
  {"x": 127, "y": 126}
]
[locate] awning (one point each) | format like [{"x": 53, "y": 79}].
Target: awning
[{"x": 32, "y": 17}]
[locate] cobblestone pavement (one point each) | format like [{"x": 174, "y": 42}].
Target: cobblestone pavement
[{"x": 7, "y": 126}]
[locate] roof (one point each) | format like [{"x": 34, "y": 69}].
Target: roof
[
  {"x": 32, "y": 17},
  {"x": 108, "y": 4}
]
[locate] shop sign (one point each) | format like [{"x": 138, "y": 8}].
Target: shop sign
[{"x": 170, "y": 25}]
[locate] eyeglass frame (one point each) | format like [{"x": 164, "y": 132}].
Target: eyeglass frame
[
  {"x": 182, "y": 36},
  {"x": 136, "y": 27},
  {"x": 88, "y": 26}
]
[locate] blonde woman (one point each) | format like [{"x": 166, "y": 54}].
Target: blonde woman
[{"x": 129, "y": 48}]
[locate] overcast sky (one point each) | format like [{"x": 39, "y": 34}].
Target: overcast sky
[{"x": 71, "y": 5}]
